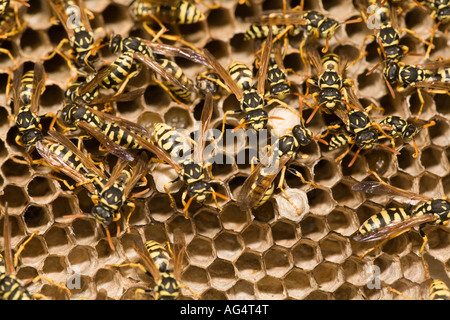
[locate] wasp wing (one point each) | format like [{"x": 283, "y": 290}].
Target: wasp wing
[
  {"x": 148, "y": 263},
  {"x": 265, "y": 58},
  {"x": 249, "y": 196},
  {"x": 38, "y": 83},
  {"x": 173, "y": 51},
  {"x": 223, "y": 74},
  {"x": 395, "y": 227},
  {"x": 380, "y": 188},
  {"x": 179, "y": 247},
  {"x": 9, "y": 264}
]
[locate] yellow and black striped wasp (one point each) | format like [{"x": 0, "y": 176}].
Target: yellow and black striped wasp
[
  {"x": 189, "y": 164},
  {"x": 166, "y": 11},
  {"x": 4, "y": 5},
  {"x": 164, "y": 265},
  {"x": 173, "y": 80},
  {"x": 10, "y": 25},
  {"x": 277, "y": 76},
  {"x": 72, "y": 14},
  {"x": 439, "y": 290},
  {"x": 332, "y": 84},
  {"x": 391, "y": 222},
  {"x": 432, "y": 76},
  {"x": 10, "y": 286},
  {"x": 116, "y": 191},
  {"x": 314, "y": 25},
  {"x": 259, "y": 185},
  {"x": 239, "y": 79},
  {"x": 27, "y": 89},
  {"x": 397, "y": 127}
]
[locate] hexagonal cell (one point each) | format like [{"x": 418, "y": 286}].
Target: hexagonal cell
[
  {"x": 37, "y": 218},
  {"x": 264, "y": 213},
  {"x": 320, "y": 201},
  {"x": 335, "y": 248},
  {"x": 343, "y": 194},
  {"x": 299, "y": 283},
  {"x": 213, "y": 294},
  {"x": 354, "y": 271},
  {"x": 117, "y": 18},
  {"x": 277, "y": 261},
  {"x": 229, "y": 245},
  {"x": 201, "y": 251},
  {"x": 85, "y": 288},
  {"x": 343, "y": 221},
  {"x": 398, "y": 245},
  {"x": 348, "y": 292},
  {"x": 313, "y": 228},
  {"x": 108, "y": 280},
  {"x": 249, "y": 266},
  {"x": 429, "y": 185},
  {"x": 257, "y": 236},
  {"x": 222, "y": 274},
  {"x": 84, "y": 230},
  {"x": 326, "y": 173},
  {"x": 439, "y": 133},
  {"x": 270, "y": 288},
  {"x": 178, "y": 118},
  {"x": 57, "y": 239},
  {"x": 207, "y": 223},
  {"x": 413, "y": 268},
  {"x": 54, "y": 267},
  {"x": 159, "y": 207},
  {"x": 16, "y": 172},
  {"x": 438, "y": 242},
  {"x": 242, "y": 290},
  {"x": 180, "y": 222},
  {"x": 414, "y": 105},
  {"x": 64, "y": 206},
  {"x": 432, "y": 159},
  {"x": 196, "y": 278},
  {"x": 306, "y": 254},
  {"x": 407, "y": 162},
  {"x": 34, "y": 43},
  {"x": 407, "y": 288},
  {"x": 329, "y": 276},
  {"x": 41, "y": 189},
  {"x": 389, "y": 269},
  {"x": 32, "y": 252},
  {"x": 234, "y": 219},
  {"x": 284, "y": 233},
  {"x": 380, "y": 160},
  {"x": 220, "y": 23},
  {"x": 81, "y": 259}
]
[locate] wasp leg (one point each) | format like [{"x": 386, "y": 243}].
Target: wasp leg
[
  {"x": 280, "y": 186},
  {"x": 187, "y": 204},
  {"x": 433, "y": 31},
  {"x": 381, "y": 243},
  {"x": 132, "y": 265},
  {"x": 8, "y": 53},
  {"x": 36, "y": 279},
  {"x": 172, "y": 96},
  {"x": 172, "y": 200},
  {"x": 229, "y": 112},
  {"x": 399, "y": 293},
  {"x": 22, "y": 247}
]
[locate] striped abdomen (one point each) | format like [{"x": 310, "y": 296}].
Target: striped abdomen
[
  {"x": 241, "y": 74},
  {"x": 439, "y": 291},
  {"x": 381, "y": 220},
  {"x": 159, "y": 255},
  {"x": 11, "y": 289}
]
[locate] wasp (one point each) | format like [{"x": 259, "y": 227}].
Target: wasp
[
  {"x": 360, "y": 131},
  {"x": 439, "y": 290},
  {"x": 390, "y": 223},
  {"x": 277, "y": 76},
  {"x": 432, "y": 76},
  {"x": 259, "y": 185},
  {"x": 27, "y": 89},
  {"x": 210, "y": 82},
  {"x": 313, "y": 23},
  {"x": 163, "y": 265},
  {"x": 172, "y": 11},
  {"x": 331, "y": 83},
  {"x": 406, "y": 130},
  {"x": 189, "y": 164},
  {"x": 11, "y": 25},
  {"x": 174, "y": 81},
  {"x": 239, "y": 80},
  {"x": 10, "y": 286},
  {"x": 73, "y": 17},
  {"x": 116, "y": 192}
]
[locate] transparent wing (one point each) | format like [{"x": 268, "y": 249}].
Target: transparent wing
[{"x": 379, "y": 188}]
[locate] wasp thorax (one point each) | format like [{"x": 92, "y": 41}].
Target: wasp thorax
[
  {"x": 366, "y": 139},
  {"x": 191, "y": 172},
  {"x": 199, "y": 190},
  {"x": 102, "y": 214},
  {"x": 115, "y": 44},
  {"x": 256, "y": 119},
  {"x": 302, "y": 135},
  {"x": 327, "y": 28},
  {"x": 252, "y": 100}
]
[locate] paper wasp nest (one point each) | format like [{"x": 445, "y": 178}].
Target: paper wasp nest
[{"x": 265, "y": 254}]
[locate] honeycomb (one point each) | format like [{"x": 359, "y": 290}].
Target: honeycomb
[{"x": 270, "y": 252}]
